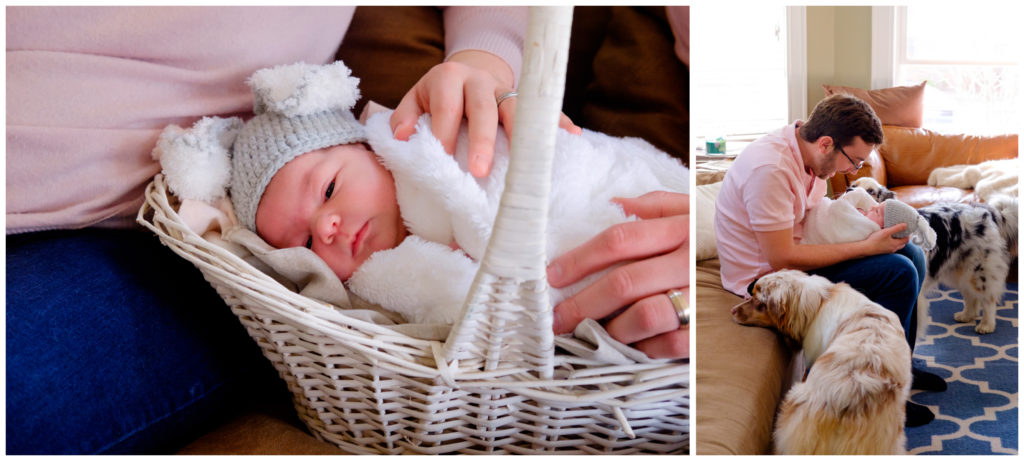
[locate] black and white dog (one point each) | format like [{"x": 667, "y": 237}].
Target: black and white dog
[{"x": 975, "y": 245}]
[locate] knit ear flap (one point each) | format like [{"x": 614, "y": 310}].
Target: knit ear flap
[
  {"x": 303, "y": 89},
  {"x": 197, "y": 162}
]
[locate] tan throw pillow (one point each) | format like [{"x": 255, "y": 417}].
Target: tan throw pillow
[
  {"x": 900, "y": 106},
  {"x": 707, "y": 248}
]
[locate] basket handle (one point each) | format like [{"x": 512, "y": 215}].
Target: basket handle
[{"x": 506, "y": 319}]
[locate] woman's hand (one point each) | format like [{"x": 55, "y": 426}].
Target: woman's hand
[
  {"x": 469, "y": 84},
  {"x": 656, "y": 253}
]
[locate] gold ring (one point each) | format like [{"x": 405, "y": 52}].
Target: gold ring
[
  {"x": 508, "y": 94},
  {"x": 679, "y": 303}
]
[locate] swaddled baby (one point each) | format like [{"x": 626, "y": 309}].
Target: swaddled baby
[
  {"x": 404, "y": 223},
  {"x": 855, "y": 215}
]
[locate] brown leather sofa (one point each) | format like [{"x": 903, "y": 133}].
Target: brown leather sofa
[
  {"x": 623, "y": 79},
  {"x": 908, "y": 155}
]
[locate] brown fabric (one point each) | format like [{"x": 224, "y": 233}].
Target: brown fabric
[
  {"x": 259, "y": 434},
  {"x": 900, "y": 106},
  {"x": 742, "y": 373},
  {"x": 639, "y": 87},
  {"x": 389, "y": 48},
  {"x": 908, "y": 155}
]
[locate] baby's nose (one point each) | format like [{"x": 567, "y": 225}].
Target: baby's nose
[{"x": 326, "y": 227}]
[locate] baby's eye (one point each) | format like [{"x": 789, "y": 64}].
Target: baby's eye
[
  {"x": 330, "y": 190},
  {"x": 309, "y": 243}
]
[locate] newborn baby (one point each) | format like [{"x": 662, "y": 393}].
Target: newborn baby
[
  {"x": 855, "y": 215},
  {"x": 404, "y": 223}
]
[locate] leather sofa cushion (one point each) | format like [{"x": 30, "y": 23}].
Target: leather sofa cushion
[
  {"x": 919, "y": 196},
  {"x": 911, "y": 154}
]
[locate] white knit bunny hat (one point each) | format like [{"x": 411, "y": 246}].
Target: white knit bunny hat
[{"x": 299, "y": 108}]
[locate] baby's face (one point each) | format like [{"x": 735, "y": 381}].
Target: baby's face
[
  {"x": 877, "y": 214},
  {"x": 338, "y": 201}
]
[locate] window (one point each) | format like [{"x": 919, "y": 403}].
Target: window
[
  {"x": 969, "y": 56},
  {"x": 738, "y": 71}
]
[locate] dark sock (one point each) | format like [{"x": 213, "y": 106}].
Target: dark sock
[
  {"x": 918, "y": 415},
  {"x": 926, "y": 381}
]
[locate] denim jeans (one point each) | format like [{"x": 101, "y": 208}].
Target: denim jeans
[
  {"x": 117, "y": 345},
  {"x": 892, "y": 280}
]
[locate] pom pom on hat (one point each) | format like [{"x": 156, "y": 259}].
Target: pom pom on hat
[
  {"x": 304, "y": 89},
  {"x": 897, "y": 212},
  {"x": 196, "y": 162}
]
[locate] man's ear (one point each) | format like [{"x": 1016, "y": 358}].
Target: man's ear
[{"x": 824, "y": 143}]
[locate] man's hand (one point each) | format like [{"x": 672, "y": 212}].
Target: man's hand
[
  {"x": 883, "y": 242},
  {"x": 656, "y": 253},
  {"x": 468, "y": 83}
]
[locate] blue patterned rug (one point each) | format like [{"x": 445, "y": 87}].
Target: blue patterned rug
[{"x": 977, "y": 415}]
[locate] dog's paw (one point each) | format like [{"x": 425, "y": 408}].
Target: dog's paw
[
  {"x": 962, "y": 317},
  {"x": 984, "y": 329}
]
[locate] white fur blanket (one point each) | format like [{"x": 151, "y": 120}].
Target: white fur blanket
[
  {"x": 427, "y": 281},
  {"x": 839, "y": 221},
  {"x": 986, "y": 178}
]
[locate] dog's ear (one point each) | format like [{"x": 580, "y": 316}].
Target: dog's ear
[
  {"x": 778, "y": 312},
  {"x": 791, "y": 343}
]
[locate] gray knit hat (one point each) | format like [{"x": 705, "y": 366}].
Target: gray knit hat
[
  {"x": 897, "y": 212},
  {"x": 299, "y": 108}
]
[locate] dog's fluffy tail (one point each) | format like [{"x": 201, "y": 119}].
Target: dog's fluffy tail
[
  {"x": 1007, "y": 206},
  {"x": 924, "y": 235}
]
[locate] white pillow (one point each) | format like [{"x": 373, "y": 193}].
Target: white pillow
[{"x": 706, "y": 246}]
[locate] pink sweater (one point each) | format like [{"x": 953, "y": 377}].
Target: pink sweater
[{"x": 90, "y": 88}]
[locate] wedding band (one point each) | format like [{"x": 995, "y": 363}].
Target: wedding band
[
  {"x": 508, "y": 94},
  {"x": 679, "y": 303}
]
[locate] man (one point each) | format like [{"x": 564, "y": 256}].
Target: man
[{"x": 760, "y": 211}]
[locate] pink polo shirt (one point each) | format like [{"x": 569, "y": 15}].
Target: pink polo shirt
[{"x": 767, "y": 189}]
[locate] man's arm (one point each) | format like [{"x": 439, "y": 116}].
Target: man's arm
[{"x": 783, "y": 253}]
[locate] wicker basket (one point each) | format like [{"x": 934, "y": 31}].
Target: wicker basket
[{"x": 496, "y": 385}]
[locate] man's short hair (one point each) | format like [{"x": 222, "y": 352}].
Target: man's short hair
[{"x": 843, "y": 117}]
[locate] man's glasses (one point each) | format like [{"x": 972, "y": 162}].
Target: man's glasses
[{"x": 856, "y": 165}]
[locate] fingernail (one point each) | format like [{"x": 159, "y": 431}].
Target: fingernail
[{"x": 554, "y": 273}]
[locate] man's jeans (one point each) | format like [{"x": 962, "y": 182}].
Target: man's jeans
[
  {"x": 892, "y": 280},
  {"x": 117, "y": 345}
]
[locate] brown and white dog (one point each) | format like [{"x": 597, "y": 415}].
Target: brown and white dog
[
  {"x": 853, "y": 400},
  {"x": 875, "y": 189}
]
